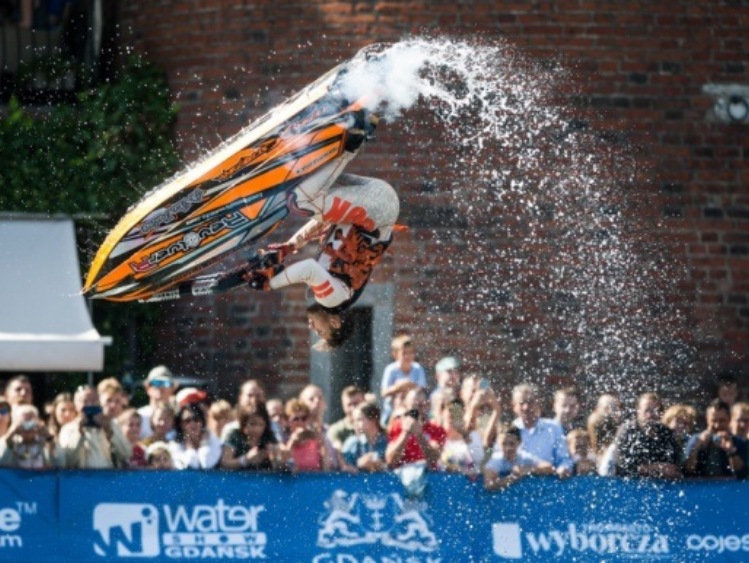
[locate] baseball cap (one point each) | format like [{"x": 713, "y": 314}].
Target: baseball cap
[
  {"x": 160, "y": 374},
  {"x": 190, "y": 395},
  {"x": 447, "y": 363}
]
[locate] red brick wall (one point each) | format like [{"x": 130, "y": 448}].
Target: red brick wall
[{"x": 637, "y": 74}]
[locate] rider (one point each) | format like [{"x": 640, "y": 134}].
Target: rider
[{"x": 354, "y": 217}]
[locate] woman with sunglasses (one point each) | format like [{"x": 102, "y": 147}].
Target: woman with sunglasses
[
  {"x": 194, "y": 446},
  {"x": 252, "y": 446},
  {"x": 306, "y": 444}
]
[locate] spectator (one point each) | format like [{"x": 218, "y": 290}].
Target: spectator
[
  {"x": 681, "y": 419},
  {"x": 339, "y": 431},
  {"x": 160, "y": 387},
  {"x": 483, "y": 414},
  {"x": 463, "y": 451},
  {"x": 645, "y": 447},
  {"x": 28, "y": 444},
  {"x": 413, "y": 437},
  {"x": 728, "y": 389},
  {"x": 541, "y": 437},
  {"x": 5, "y": 410},
  {"x": 111, "y": 397},
  {"x": 252, "y": 446},
  {"x": 567, "y": 409},
  {"x": 509, "y": 464},
  {"x": 250, "y": 393},
  {"x": 603, "y": 424},
  {"x": 447, "y": 373},
  {"x": 18, "y": 391},
  {"x": 578, "y": 442},
  {"x": 715, "y": 452},
  {"x": 313, "y": 397},
  {"x": 162, "y": 425},
  {"x": 397, "y": 394},
  {"x": 62, "y": 411},
  {"x": 194, "y": 447},
  {"x": 130, "y": 422},
  {"x": 220, "y": 413},
  {"x": 92, "y": 440},
  {"x": 365, "y": 450},
  {"x": 158, "y": 456},
  {"x": 278, "y": 420},
  {"x": 306, "y": 444},
  {"x": 740, "y": 420},
  {"x": 404, "y": 367}
]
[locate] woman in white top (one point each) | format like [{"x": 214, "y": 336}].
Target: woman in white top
[{"x": 194, "y": 446}]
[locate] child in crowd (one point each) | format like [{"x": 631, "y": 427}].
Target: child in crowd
[
  {"x": 158, "y": 456},
  {"x": 162, "y": 424},
  {"x": 404, "y": 367},
  {"x": 578, "y": 442},
  {"x": 220, "y": 413},
  {"x": 509, "y": 464},
  {"x": 130, "y": 422}
]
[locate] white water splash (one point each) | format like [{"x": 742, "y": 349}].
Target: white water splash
[{"x": 557, "y": 273}]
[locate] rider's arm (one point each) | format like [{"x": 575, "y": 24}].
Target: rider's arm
[{"x": 310, "y": 230}]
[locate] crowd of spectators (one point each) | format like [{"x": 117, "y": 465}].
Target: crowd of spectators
[{"x": 459, "y": 425}]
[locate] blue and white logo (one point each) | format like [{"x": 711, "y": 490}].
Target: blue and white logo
[
  {"x": 126, "y": 530},
  {"x": 387, "y": 520}
]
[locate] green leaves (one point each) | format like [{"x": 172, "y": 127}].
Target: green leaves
[{"x": 94, "y": 157}]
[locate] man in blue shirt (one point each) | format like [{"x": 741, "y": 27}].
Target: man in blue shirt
[{"x": 541, "y": 437}]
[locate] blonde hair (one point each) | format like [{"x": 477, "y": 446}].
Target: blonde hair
[
  {"x": 127, "y": 414},
  {"x": 109, "y": 385},
  {"x": 399, "y": 342},
  {"x": 294, "y": 406},
  {"x": 221, "y": 409},
  {"x": 679, "y": 411}
]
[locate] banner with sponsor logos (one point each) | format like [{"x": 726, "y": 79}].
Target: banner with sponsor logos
[{"x": 219, "y": 516}]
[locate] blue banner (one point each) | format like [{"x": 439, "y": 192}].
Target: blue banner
[{"x": 148, "y": 516}]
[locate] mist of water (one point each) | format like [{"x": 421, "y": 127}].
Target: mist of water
[{"x": 558, "y": 271}]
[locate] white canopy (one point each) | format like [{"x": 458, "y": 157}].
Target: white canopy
[{"x": 44, "y": 321}]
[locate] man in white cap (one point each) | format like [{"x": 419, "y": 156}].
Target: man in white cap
[
  {"x": 160, "y": 387},
  {"x": 447, "y": 373}
]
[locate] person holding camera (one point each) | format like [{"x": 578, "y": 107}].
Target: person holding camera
[
  {"x": 92, "y": 440},
  {"x": 715, "y": 452},
  {"x": 413, "y": 437},
  {"x": 28, "y": 444}
]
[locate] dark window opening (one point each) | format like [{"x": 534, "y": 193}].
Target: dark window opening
[{"x": 352, "y": 363}]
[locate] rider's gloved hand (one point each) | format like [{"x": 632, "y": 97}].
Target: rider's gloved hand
[
  {"x": 258, "y": 280},
  {"x": 282, "y": 250}
]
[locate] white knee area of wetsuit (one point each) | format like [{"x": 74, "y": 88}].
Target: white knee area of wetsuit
[{"x": 328, "y": 290}]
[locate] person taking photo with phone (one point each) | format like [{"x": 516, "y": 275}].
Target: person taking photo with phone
[
  {"x": 92, "y": 440},
  {"x": 413, "y": 437},
  {"x": 28, "y": 444}
]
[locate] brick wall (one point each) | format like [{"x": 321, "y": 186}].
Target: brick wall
[{"x": 636, "y": 75}]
